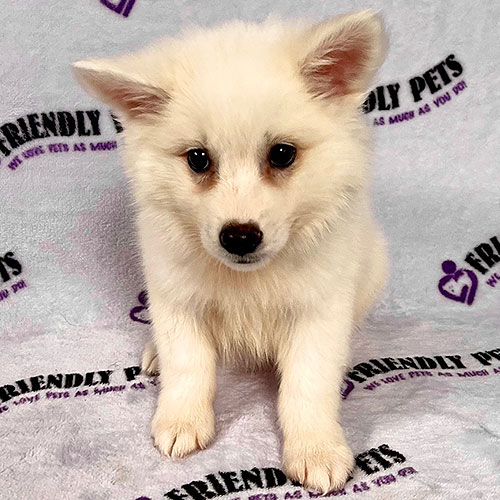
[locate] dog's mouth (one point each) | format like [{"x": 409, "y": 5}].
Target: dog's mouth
[
  {"x": 249, "y": 262},
  {"x": 250, "y": 259}
]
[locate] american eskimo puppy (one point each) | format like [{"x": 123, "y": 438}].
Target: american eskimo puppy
[{"x": 249, "y": 160}]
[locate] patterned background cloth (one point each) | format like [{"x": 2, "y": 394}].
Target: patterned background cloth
[{"x": 420, "y": 405}]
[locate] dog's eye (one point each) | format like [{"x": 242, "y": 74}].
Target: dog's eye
[
  {"x": 198, "y": 160},
  {"x": 282, "y": 155}
]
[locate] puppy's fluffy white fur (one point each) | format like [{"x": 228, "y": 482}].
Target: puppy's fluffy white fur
[{"x": 235, "y": 91}]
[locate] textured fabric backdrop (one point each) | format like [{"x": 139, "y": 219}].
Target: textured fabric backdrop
[{"x": 421, "y": 403}]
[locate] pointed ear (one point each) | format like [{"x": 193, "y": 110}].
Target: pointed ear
[
  {"x": 341, "y": 56},
  {"x": 126, "y": 93}
]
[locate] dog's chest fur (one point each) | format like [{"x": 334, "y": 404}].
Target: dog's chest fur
[{"x": 249, "y": 333}]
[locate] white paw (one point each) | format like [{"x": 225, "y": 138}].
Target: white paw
[
  {"x": 150, "y": 364},
  {"x": 320, "y": 464},
  {"x": 181, "y": 437}
]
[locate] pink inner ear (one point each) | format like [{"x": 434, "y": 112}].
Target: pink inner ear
[
  {"x": 340, "y": 75},
  {"x": 138, "y": 101},
  {"x": 335, "y": 68},
  {"x": 134, "y": 98}
]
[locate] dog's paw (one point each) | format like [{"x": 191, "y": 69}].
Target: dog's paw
[
  {"x": 320, "y": 465},
  {"x": 150, "y": 364},
  {"x": 179, "y": 438}
]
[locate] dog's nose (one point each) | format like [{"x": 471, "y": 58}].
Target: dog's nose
[{"x": 240, "y": 239}]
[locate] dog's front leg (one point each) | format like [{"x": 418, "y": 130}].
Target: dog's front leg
[
  {"x": 311, "y": 366},
  {"x": 184, "y": 418}
]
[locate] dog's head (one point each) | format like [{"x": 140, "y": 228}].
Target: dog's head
[{"x": 247, "y": 138}]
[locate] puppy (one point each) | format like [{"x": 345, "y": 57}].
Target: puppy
[{"x": 249, "y": 160}]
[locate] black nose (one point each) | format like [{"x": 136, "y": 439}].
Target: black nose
[{"x": 240, "y": 239}]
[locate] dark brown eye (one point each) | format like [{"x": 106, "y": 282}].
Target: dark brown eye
[
  {"x": 198, "y": 160},
  {"x": 282, "y": 155}
]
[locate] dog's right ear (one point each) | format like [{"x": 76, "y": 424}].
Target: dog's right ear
[{"x": 130, "y": 96}]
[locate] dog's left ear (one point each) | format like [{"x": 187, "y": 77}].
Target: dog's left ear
[
  {"x": 340, "y": 57},
  {"x": 119, "y": 84}
]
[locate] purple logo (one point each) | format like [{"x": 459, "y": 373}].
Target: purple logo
[
  {"x": 122, "y": 7},
  {"x": 140, "y": 313},
  {"x": 349, "y": 386},
  {"x": 458, "y": 284}
]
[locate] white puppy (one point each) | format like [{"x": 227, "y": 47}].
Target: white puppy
[{"x": 249, "y": 159}]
